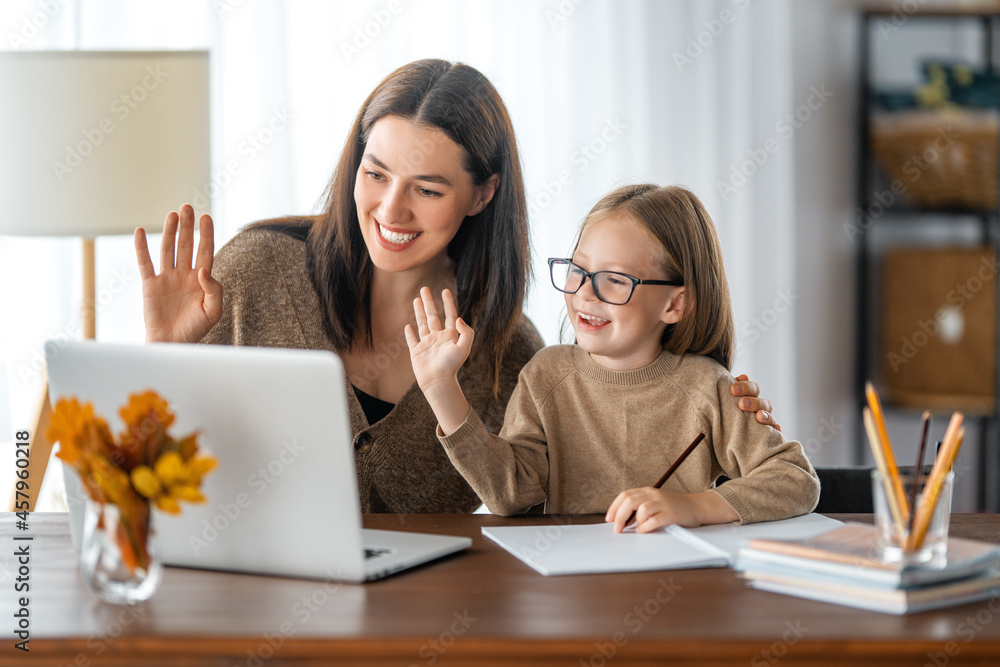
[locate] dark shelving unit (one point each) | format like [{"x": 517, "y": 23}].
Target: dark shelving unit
[{"x": 988, "y": 221}]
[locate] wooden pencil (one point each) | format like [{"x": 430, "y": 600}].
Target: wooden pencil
[
  {"x": 890, "y": 460},
  {"x": 878, "y": 452},
  {"x": 671, "y": 469},
  {"x": 918, "y": 471},
  {"x": 932, "y": 490}
]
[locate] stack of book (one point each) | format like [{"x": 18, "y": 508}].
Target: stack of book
[{"x": 843, "y": 566}]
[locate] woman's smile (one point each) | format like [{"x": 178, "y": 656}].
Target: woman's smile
[{"x": 394, "y": 238}]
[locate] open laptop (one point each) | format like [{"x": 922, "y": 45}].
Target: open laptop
[{"x": 283, "y": 499}]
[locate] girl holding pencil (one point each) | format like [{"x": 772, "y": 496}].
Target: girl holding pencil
[{"x": 590, "y": 426}]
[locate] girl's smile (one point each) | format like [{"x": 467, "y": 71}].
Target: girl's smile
[{"x": 592, "y": 322}]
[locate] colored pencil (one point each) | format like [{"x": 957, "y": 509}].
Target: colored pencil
[
  {"x": 878, "y": 453},
  {"x": 890, "y": 460},
  {"x": 918, "y": 471},
  {"x": 671, "y": 469},
  {"x": 953, "y": 438}
]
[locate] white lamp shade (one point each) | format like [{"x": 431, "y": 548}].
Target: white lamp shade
[{"x": 99, "y": 143}]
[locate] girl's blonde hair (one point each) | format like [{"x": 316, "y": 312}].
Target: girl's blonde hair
[{"x": 677, "y": 219}]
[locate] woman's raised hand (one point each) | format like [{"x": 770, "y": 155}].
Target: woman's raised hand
[
  {"x": 437, "y": 354},
  {"x": 182, "y": 303}
]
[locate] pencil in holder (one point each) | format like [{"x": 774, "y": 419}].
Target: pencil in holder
[{"x": 893, "y": 538}]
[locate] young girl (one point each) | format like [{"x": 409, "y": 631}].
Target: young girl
[{"x": 647, "y": 296}]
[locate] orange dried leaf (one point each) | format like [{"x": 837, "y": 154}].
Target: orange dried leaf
[{"x": 145, "y": 409}]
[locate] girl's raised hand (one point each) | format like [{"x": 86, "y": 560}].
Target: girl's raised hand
[
  {"x": 182, "y": 303},
  {"x": 441, "y": 348}
]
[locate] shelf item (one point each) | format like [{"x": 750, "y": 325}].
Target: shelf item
[
  {"x": 942, "y": 158},
  {"x": 928, "y": 165},
  {"x": 939, "y": 327}
]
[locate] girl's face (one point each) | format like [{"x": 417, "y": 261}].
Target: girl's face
[
  {"x": 627, "y": 336},
  {"x": 413, "y": 193}
]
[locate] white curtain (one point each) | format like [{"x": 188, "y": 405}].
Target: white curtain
[{"x": 601, "y": 93}]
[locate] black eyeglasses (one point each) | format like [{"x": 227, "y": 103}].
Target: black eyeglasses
[{"x": 609, "y": 286}]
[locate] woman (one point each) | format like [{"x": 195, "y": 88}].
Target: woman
[{"x": 428, "y": 191}]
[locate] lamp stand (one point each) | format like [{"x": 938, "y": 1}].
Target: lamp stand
[{"x": 41, "y": 446}]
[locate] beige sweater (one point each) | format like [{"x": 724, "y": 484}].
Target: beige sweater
[
  {"x": 576, "y": 434},
  {"x": 269, "y": 301}
]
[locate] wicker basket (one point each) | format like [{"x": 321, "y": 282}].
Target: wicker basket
[{"x": 943, "y": 159}]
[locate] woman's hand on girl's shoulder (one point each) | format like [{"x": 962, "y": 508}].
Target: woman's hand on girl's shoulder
[
  {"x": 751, "y": 401},
  {"x": 183, "y": 302}
]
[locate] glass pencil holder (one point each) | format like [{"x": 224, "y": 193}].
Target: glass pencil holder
[{"x": 894, "y": 541}]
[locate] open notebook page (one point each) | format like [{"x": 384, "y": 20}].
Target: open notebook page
[{"x": 595, "y": 548}]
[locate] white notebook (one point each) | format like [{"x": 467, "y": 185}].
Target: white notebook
[
  {"x": 596, "y": 548},
  {"x": 889, "y": 601}
]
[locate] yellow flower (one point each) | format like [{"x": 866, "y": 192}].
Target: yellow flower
[
  {"x": 168, "y": 505},
  {"x": 171, "y": 479},
  {"x": 146, "y": 482},
  {"x": 170, "y": 468}
]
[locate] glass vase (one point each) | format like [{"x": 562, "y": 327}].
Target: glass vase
[{"x": 120, "y": 561}]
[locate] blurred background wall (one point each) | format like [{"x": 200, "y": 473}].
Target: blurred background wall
[{"x": 753, "y": 105}]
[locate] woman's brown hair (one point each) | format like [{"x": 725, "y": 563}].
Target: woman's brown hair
[
  {"x": 490, "y": 252},
  {"x": 677, "y": 219}
]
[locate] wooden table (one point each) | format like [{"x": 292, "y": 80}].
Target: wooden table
[{"x": 481, "y": 607}]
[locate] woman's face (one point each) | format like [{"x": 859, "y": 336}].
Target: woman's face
[{"x": 412, "y": 194}]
